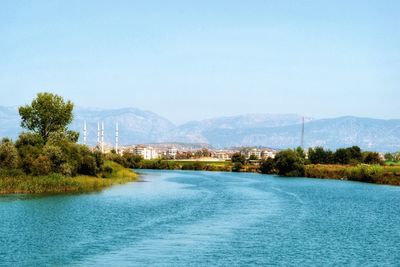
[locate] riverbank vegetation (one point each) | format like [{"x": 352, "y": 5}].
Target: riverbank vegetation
[
  {"x": 17, "y": 182},
  {"x": 344, "y": 164},
  {"x": 47, "y": 159}
]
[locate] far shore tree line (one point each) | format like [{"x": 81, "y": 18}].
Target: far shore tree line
[{"x": 291, "y": 162}]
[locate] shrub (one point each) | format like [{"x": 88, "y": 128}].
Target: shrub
[
  {"x": 187, "y": 166},
  {"x": 253, "y": 157},
  {"x": 326, "y": 171},
  {"x": 67, "y": 170},
  {"x": 132, "y": 160},
  {"x": 117, "y": 158},
  {"x": 365, "y": 173},
  {"x": 88, "y": 165},
  {"x": 289, "y": 163},
  {"x": 319, "y": 155},
  {"x": 29, "y": 139},
  {"x": 355, "y": 154},
  {"x": 41, "y": 166},
  {"x": 267, "y": 166},
  {"x": 56, "y": 156},
  {"x": 238, "y": 158},
  {"x": 237, "y": 167},
  {"x": 9, "y": 157},
  {"x": 7, "y": 173},
  {"x": 342, "y": 156},
  {"x": 198, "y": 166},
  {"x": 108, "y": 170},
  {"x": 99, "y": 158},
  {"x": 372, "y": 158}
]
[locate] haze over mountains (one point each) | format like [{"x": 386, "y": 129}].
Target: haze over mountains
[{"x": 269, "y": 130}]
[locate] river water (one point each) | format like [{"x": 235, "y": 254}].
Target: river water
[{"x": 184, "y": 218}]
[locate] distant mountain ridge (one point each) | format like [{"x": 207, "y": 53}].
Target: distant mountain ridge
[{"x": 270, "y": 130}]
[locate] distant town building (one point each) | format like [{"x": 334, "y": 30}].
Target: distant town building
[
  {"x": 222, "y": 155},
  {"x": 171, "y": 152},
  {"x": 254, "y": 152},
  {"x": 268, "y": 154},
  {"x": 146, "y": 152}
]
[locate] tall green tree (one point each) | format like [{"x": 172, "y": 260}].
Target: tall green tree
[
  {"x": 238, "y": 157},
  {"x": 342, "y": 156},
  {"x": 319, "y": 155},
  {"x": 46, "y": 114},
  {"x": 267, "y": 166},
  {"x": 289, "y": 163},
  {"x": 355, "y": 154}
]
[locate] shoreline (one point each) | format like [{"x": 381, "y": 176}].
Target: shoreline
[
  {"x": 375, "y": 174},
  {"x": 56, "y": 184}
]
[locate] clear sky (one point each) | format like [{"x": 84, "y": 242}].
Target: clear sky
[{"x": 190, "y": 60}]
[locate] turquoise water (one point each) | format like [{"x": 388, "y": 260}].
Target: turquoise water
[{"x": 177, "y": 218}]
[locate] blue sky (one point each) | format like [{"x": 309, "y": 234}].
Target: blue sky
[{"x": 190, "y": 60}]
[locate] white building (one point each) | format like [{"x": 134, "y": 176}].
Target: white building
[
  {"x": 222, "y": 155},
  {"x": 267, "y": 154},
  {"x": 171, "y": 152},
  {"x": 254, "y": 152},
  {"x": 146, "y": 152}
]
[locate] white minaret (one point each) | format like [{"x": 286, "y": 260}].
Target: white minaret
[
  {"x": 102, "y": 137},
  {"x": 84, "y": 133},
  {"x": 116, "y": 138},
  {"x": 98, "y": 133}
]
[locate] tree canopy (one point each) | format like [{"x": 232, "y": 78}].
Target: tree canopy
[
  {"x": 46, "y": 114},
  {"x": 238, "y": 157},
  {"x": 289, "y": 163}
]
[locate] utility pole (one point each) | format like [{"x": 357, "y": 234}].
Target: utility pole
[
  {"x": 102, "y": 137},
  {"x": 116, "y": 138},
  {"x": 84, "y": 133},
  {"x": 98, "y": 134},
  {"x": 302, "y": 133}
]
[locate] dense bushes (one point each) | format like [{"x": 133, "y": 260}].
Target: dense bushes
[
  {"x": 325, "y": 171},
  {"x": 362, "y": 173},
  {"x": 267, "y": 166},
  {"x": 289, "y": 163},
  {"x": 238, "y": 158},
  {"x": 9, "y": 157},
  {"x": 49, "y": 147},
  {"x": 159, "y": 164},
  {"x": 365, "y": 173},
  {"x": 16, "y": 181},
  {"x": 128, "y": 159},
  {"x": 237, "y": 167},
  {"x": 372, "y": 158},
  {"x": 59, "y": 154},
  {"x": 351, "y": 155},
  {"x": 42, "y": 165}
]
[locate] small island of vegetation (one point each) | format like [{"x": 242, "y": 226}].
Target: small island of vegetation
[{"x": 46, "y": 159}]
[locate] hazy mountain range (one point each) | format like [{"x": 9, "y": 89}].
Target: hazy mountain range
[{"x": 269, "y": 130}]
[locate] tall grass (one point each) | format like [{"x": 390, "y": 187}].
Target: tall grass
[
  {"x": 16, "y": 182},
  {"x": 186, "y": 165},
  {"x": 363, "y": 173}
]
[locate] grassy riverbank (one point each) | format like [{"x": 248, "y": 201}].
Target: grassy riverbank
[
  {"x": 363, "y": 173},
  {"x": 387, "y": 174},
  {"x": 16, "y": 182},
  {"x": 186, "y": 165}
]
